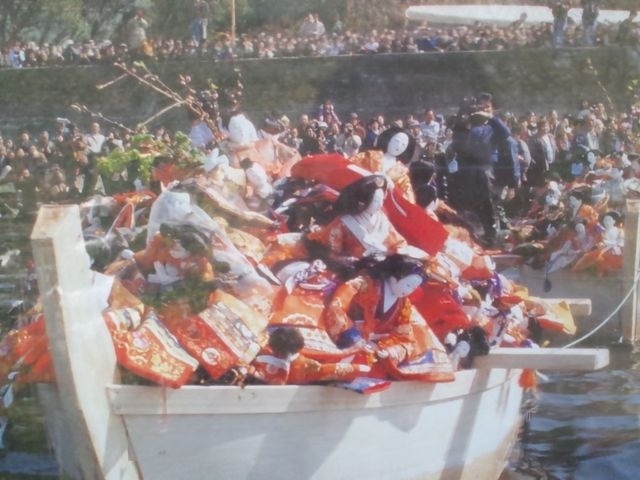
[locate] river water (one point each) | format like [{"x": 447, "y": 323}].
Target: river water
[{"x": 585, "y": 426}]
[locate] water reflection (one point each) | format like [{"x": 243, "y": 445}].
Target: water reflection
[{"x": 587, "y": 426}]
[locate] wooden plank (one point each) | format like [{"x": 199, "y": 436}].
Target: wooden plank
[
  {"x": 81, "y": 348},
  {"x": 275, "y": 399},
  {"x": 557, "y": 359},
  {"x": 630, "y": 265},
  {"x": 579, "y": 307},
  {"x": 503, "y": 261}
]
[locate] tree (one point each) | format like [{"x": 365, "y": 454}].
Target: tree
[
  {"x": 41, "y": 20},
  {"x": 105, "y": 17}
]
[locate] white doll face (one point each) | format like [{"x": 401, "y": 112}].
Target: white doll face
[
  {"x": 608, "y": 222},
  {"x": 398, "y": 144},
  {"x": 404, "y": 286},
  {"x": 580, "y": 230}
]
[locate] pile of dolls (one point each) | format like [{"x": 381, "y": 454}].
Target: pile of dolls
[
  {"x": 332, "y": 270},
  {"x": 577, "y": 224}
]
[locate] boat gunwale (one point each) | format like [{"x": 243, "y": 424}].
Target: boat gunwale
[{"x": 259, "y": 399}]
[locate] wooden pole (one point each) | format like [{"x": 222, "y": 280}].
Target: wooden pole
[
  {"x": 631, "y": 263},
  {"x": 233, "y": 23}
]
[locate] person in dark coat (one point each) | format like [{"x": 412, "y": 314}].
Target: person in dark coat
[
  {"x": 476, "y": 143},
  {"x": 543, "y": 152}
]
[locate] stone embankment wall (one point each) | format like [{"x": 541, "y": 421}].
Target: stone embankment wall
[{"x": 395, "y": 84}]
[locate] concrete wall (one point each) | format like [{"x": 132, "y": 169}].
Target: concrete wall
[{"x": 394, "y": 84}]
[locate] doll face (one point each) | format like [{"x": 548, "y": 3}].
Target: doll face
[
  {"x": 398, "y": 144},
  {"x": 404, "y": 286},
  {"x": 580, "y": 230},
  {"x": 608, "y": 222}
]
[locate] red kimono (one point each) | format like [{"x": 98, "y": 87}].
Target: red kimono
[{"x": 415, "y": 352}]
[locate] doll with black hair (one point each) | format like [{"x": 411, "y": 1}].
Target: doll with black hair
[
  {"x": 373, "y": 309},
  {"x": 393, "y": 150},
  {"x": 361, "y": 227},
  {"x": 175, "y": 253},
  {"x": 281, "y": 362}
]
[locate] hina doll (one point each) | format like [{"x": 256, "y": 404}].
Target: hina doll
[
  {"x": 175, "y": 253},
  {"x": 613, "y": 185},
  {"x": 361, "y": 227},
  {"x": 607, "y": 256},
  {"x": 281, "y": 362},
  {"x": 578, "y": 211},
  {"x": 394, "y": 149},
  {"x": 576, "y": 245},
  {"x": 373, "y": 310},
  {"x": 243, "y": 142},
  {"x": 173, "y": 207}
]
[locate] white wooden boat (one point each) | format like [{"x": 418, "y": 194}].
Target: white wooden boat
[{"x": 103, "y": 429}]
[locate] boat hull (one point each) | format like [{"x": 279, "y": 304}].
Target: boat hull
[{"x": 459, "y": 430}]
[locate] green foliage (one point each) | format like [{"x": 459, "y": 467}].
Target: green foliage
[
  {"x": 138, "y": 160},
  {"x": 39, "y": 19}
]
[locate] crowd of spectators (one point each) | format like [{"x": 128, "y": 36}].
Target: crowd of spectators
[
  {"x": 60, "y": 163},
  {"x": 312, "y": 38},
  {"x": 509, "y": 153}
]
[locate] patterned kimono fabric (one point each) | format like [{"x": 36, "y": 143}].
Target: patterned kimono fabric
[
  {"x": 301, "y": 370},
  {"x": 416, "y": 352},
  {"x": 607, "y": 257}
]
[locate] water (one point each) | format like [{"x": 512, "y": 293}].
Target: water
[{"x": 586, "y": 426}]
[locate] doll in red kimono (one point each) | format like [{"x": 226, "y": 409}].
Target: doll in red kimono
[
  {"x": 607, "y": 256},
  {"x": 282, "y": 363},
  {"x": 373, "y": 309},
  {"x": 361, "y": 227},
  {"x": 176, "y": 252}
]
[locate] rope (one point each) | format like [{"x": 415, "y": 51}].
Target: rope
[{"x": 634, "y": 285}]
